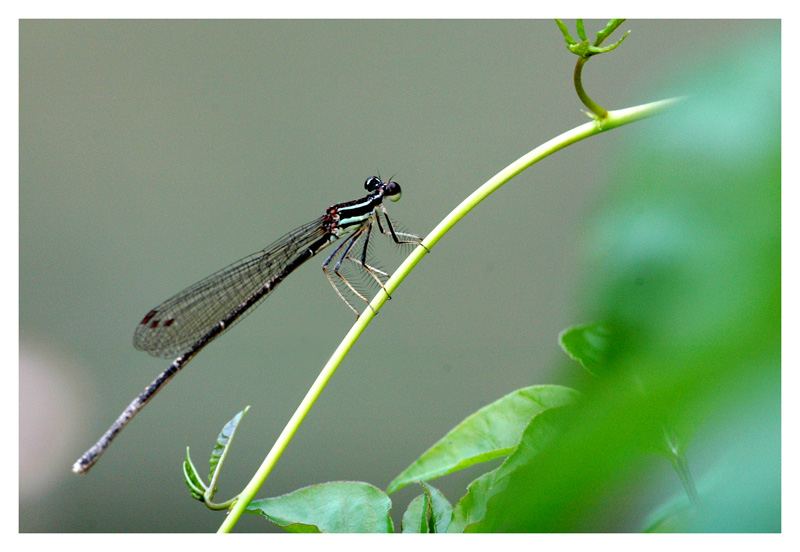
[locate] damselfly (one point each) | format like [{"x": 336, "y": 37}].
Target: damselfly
[{"x": 185, "y": 323}]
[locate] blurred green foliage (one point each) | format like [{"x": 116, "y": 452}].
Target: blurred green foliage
[{"x": 684, "y": 272}]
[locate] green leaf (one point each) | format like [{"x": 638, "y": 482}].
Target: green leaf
[
  {"x": 491, "y": 432},
  {"x": 415, "y": 518},
  {"x": 429, "y": 512},
  {"x": 567, "y": 37},
  {"x": 335, "y": 507},
  {"x": 582, "y": 49},
  {"x": 471, "y": 510},
  {"x": 538, "y": 434},
  {"x": 581, "y": 30},
  {"x": 589, "y": 344},
  {"x": 223, "y": 443},
  {"x": 192, "y": 478},
  {"x": 441, "y": 511},
  {"x": 595, "y": 50},
  {"x": 472, "y": 506},
  {"x": 610, "y": 28}
]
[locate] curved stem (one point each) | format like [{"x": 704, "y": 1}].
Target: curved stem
[
  {"x": 587, "y": 101},
  {"x": 613, "y": 120},
  {"x": 222, "y": 505}
]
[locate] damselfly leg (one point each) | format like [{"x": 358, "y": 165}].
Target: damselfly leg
[{"x": 342, "y": 254}]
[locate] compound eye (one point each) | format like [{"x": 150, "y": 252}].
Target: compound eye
[
  {"x": 372, "y": 183},
  {"x": 392, "y": 191}
]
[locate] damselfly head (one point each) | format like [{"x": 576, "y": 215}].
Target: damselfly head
[{"x": 372, "y": 183}]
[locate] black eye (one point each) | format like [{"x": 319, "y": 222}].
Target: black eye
[
  {"x": 392, "y": 191},
  {"x": 372, "y": 183}
]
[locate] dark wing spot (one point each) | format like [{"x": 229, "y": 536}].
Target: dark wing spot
[{"x": 147, "y": 317}]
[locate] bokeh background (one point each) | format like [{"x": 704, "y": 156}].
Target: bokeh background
[{"x": 153, "y": 153}]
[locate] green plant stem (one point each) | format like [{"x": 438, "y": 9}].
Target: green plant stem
[
  {"x": 221, "y": 505},
  {"x": 681, "y": 466},
  {"x": 677, "y": 458},
  {"x": 613, "y": 120},
  {"x": 587, "y": 101}
]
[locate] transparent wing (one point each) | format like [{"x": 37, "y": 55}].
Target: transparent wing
[{"x": 175, "y": 325}]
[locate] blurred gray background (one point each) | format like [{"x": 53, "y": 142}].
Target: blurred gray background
[{"x": 153, "y": 153}]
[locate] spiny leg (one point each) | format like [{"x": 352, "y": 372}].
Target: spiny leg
[
  {"x": 411, "y": 238},
  {"x": 328, "y": 276},
  {"x": 349, "y": 243},
  {"x": 346, "y": 256},
  {"x": 371, "y": 270}
]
